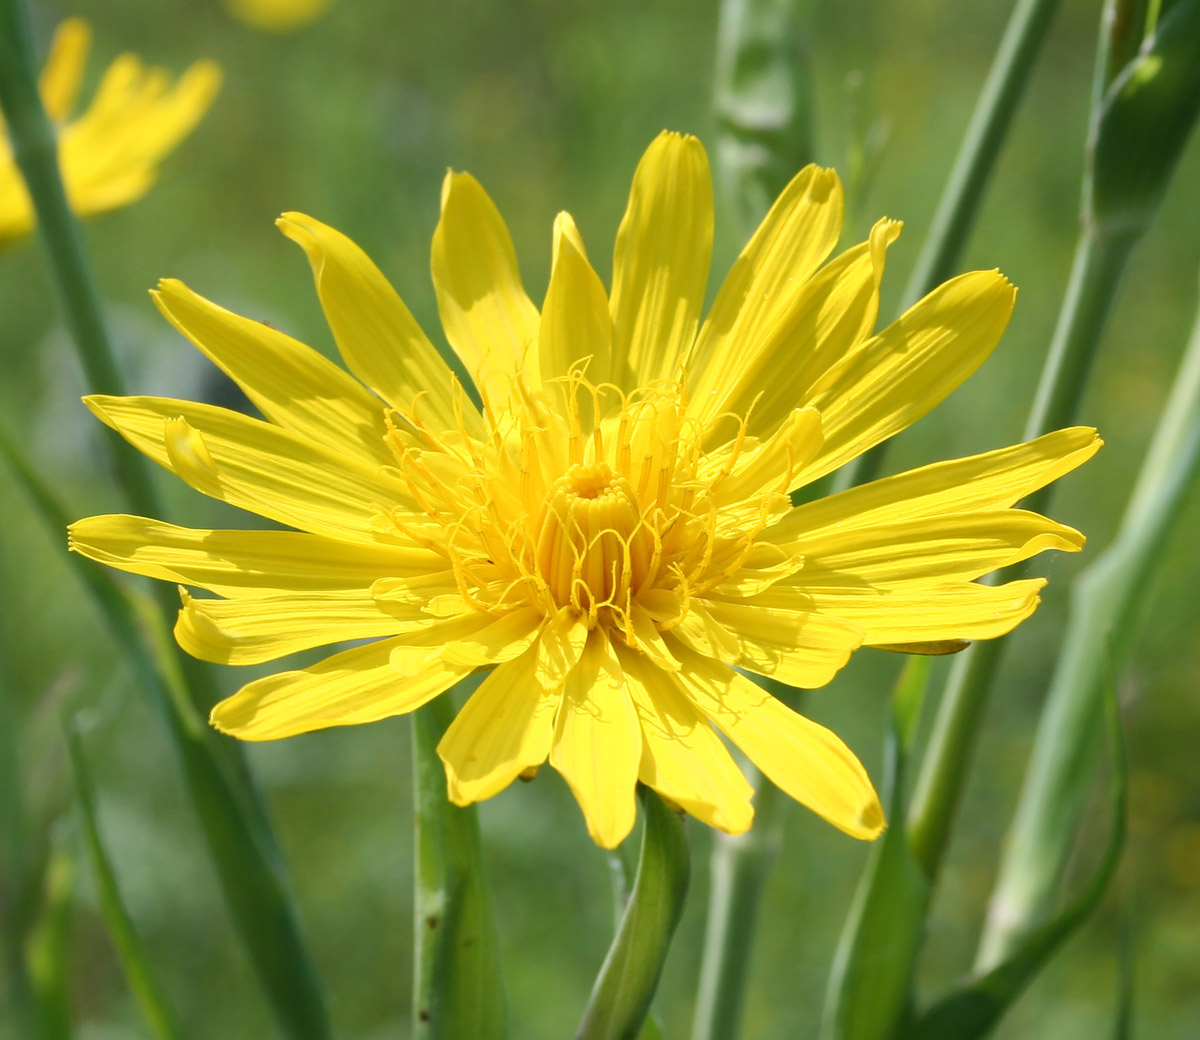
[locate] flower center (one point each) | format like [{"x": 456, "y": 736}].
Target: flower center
[
  {"x": 593, "y": 547},
  {"x": 599, "y": 510}
]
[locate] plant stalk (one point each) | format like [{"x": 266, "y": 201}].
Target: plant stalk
[
  {"x": 959, "y": 204},
  {"x": 1099, "y": 263},
  {"x": 740, "y": 865},
  {"x": 1107, "y": 602}
]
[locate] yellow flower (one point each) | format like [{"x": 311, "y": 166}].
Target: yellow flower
[
  {"x": 277, "y": 15},
  {"x": 109, "y": 155},
  {"x": 612, "y": 531}
]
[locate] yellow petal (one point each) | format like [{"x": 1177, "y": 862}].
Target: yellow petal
[
  {"x": 805, "y": 760},
  {"x": 352, "y": 687},
  {"x": 682, "y": 758},
  {"x": 830, "y": 316},
  {"x": 771, "y": 466},
  {"x": 503, "y": 639},
  {"x": 109, "y": 156},
  {"x": 245, "y": 563},
  {"x": 992, "y": 480},
  {"x": 575, "y": 324},
  {"x": 598, "y": 743},
  {"x": 928, "y": 549},
  {"x": 660, "y": 265},
  {"x": 59, "y": 85},
  {"x": 559, "y": 647},
  {"x": 793, "y": 240},
  {"x": 800, "y": 649},
  {"x": 290, "y": 383},
  {"x": 250, "y": 630},
  {"x": 918, "y": 613},
  {"x": 505, "y": 728},
  {"x": 489, "y": 320},
  {"x": 896, "y": 377},
  {"x": 258, "y": 466},
  {"x": 376, "y": 334}
]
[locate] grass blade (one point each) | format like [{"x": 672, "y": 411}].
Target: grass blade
[
  {"x": 971, "y": 1011},
  {"x": 162, "y": 1021},
  {"x": 246, "y": 861}
]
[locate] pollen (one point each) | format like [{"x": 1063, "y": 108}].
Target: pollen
[{"x": 586, "y": 500}]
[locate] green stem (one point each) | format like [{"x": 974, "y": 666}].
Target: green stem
[
  {"x": 1002, "y": 92},
  {"x": 620, "y": 1001},
  {"x": 1100, "y": 259},
  {"x": 740, "y": 864},
  {"x": 1106, "y": 605},
  {"x": 241, "y": 846},
  {"x": 35, "y": 149},
  {"x": 1099, "y": 263},
  {"x": 963, "y": 193},
  {"x": 458, "y": 990},
  {"x": 157, "y": 1013},
  {"x": 17, "y": 887}
]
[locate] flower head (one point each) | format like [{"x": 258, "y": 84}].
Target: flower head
[
  {"x": 109, "y": 155},
  {"x": 612, "y": 532},
  {"x": 277, "y": 16}
]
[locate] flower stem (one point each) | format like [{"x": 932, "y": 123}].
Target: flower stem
[
  {"x": 740, "y": 864},
  {"x": 1002, "y": 92},
  {"x": 35, "y": 149},
  {"x": 458, "y": 991},
  {"x": 963, "y": 193},
  {"x": 1099, "y": 262},
  {"x": 238, "y": 833},
  {"x": 1106, "y": 603},
  {"x": 620, "y": 1001}
]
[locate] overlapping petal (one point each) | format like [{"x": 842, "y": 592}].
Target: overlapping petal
[
  {"x": 255, "y": 465},
  {"x": 660, "y": 265},
  {"x": 506, "y": 727},
  {"x": 377, "y": 336},
  {"x": 489, "y": 319},
  {"x": 803, "y": 759},
  {"x": 768, "y": 277},
  {"x": 598, "y": 742},
  {"x": 293, "y": 385},
  {"x": 243, "y": 563},
  {"x": 355, "y": 686}
]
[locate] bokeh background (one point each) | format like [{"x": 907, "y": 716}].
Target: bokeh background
[{"x": 354, "y": 119}]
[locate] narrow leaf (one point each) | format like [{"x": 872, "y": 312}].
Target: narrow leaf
[
  {"x": 162, "y": 1021},
  {"x": 870, "y": 983},
  {"x": 623, "y": 990},
  {"x": 239, "y": 842},
  {"x": 973, "y": 1010}
]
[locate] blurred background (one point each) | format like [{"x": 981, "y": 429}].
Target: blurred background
[{"x": 354, "y": 119}]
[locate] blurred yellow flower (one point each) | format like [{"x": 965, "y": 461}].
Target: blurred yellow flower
[
  {"x": 612, "y": 532},
  {"x": 109, "y": 155},
  {"x": 277, "y": 15}
]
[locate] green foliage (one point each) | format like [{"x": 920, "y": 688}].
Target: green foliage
[
  {"x": 972, "y": 1011},
  {"x": 161, "y": 1020},
  {"x": 870, "y": 984},
  {"x": 623, "y": 990},
  {"x": 762, "y": 101},
  {"x": 1143, "y": 122},
  {"x": 246, "y": 862},
  {"x": 458, "y": 988}
]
